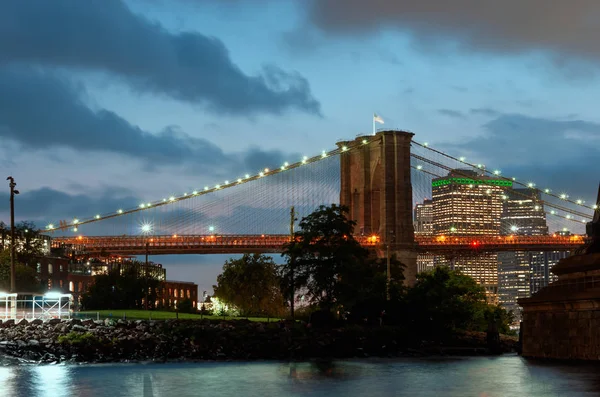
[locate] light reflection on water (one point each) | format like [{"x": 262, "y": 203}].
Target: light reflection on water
[{"x": 478, "y": 376}]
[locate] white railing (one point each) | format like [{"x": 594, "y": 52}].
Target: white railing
[{"x": 35, "y": 306}]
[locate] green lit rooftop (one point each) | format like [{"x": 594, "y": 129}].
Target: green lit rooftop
[{"x": 470, "y": 181}]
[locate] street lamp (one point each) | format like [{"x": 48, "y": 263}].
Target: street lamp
[{"x": 13, "y": 191}]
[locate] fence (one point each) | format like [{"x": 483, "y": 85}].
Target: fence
[{"x": 35, "y": 306}]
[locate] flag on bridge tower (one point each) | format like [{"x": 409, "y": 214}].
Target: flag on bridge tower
[{"x": 376, "y": 119}]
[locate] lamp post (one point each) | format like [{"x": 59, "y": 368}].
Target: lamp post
[
  {"x": 388, "y": 262},
  {"x": 13, "y": 191}
]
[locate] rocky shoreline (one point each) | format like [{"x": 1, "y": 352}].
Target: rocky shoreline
[{"x": 93, "y": 341}]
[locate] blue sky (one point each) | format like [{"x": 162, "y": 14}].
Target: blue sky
[{"x": 100, "y": 101}]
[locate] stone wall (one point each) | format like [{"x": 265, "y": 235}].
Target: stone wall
[
  {"x": 562, "y": 320},
  {"x": 562, "y": 333}
]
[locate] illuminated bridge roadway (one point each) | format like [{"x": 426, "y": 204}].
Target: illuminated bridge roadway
[{"x": 240, "y": 244}]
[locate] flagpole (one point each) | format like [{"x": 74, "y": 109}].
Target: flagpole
[{"x": 373, "y": 123}]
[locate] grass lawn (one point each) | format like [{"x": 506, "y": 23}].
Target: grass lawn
[{"x": 156, "y": 315}]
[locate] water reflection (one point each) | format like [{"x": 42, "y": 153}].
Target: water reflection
[{"x": 481, "y": 376}]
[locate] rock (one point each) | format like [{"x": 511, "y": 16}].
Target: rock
[
  {"x": 23, "y": 322},
  {"x": 33, "y": 342},
  {"x": 8, "y": 323},
  {"x": 79, "y": 328},
  {"x": 53, "y": 321},
  {"x": 37, "y": 321}
]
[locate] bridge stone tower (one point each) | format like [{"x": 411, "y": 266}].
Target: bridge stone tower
[{"x": 376, "y": 187}]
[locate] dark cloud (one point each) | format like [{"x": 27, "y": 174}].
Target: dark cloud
[
  {"x": 484, "y": 112},
  {"x": 37, "y": 205},
  {"x": 104, "y": 35},
  {"x": 559, "y": 154},
  {"x": 507, "y": 26},
  {"x": 451, "y": 113},
  {"x": 42, "y": 110}
]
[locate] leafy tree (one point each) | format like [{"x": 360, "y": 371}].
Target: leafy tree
[
  {"x": 251, "y": 284},
  {"x": 185, "y": 306},
  {"x": 121, "y": 290},
  {"x": 26, "y": 278},
  {"x": 366, "y": 296},
  {"x": 31, "y": 245},
  {"x": 325, "y": 258},
  {"x": 443, "y": 300}
]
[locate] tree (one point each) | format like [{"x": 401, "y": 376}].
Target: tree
[
  {"x": 445, "y": 300},
  {"x": 31, "y": 244},
  {"x": 251, "y": 284},
  {"x": 325, "y": 258},
  {"x": 125, "y": 289},
  {"x": 26, "y": 278},
  {"x": 185, "y": 306}
]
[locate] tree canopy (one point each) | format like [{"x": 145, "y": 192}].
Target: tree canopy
[
  {"x": 251, "y": 284},
  {"x": 26, "y": 278},
  {"x": 443, "y": 299},
  {"x": 328, "y": 263},
  {"x": 29, "y": 246},
  {"x": 126, "y": 290}
]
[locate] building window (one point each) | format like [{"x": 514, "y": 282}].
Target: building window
[
  {"x": 38, "y": 268},
  {"x": 50, "y": 268},
  {"x": 71, "y": 286}
]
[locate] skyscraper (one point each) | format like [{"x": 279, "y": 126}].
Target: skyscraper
[
  {"x": 540, "y": 266},
  {"x": 523, "y": 213},
  {"x": 467, "y": 203},
  {"x": 423, "y": 217},
  {"x": 522, "y": 273}
]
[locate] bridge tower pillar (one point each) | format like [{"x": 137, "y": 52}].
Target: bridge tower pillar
[{"x": 376, "y": 187}]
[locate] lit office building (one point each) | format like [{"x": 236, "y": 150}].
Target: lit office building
[
  {"x": 540, "y": 266},
  {"x": 425, "y": 262},
  {"x": 513, "y": 279},
  {"x": 423, "y": 218},
  {"x": 523, "y": 214},
  {"x": 466, "y": 203},
  {"x": 483, "y": 268}
]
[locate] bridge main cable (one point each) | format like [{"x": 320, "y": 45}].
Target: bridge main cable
[
  {"x": 546, "y": 203},
  {"x": 207, "y": 190},
  {"x": 545, "y": 191}
]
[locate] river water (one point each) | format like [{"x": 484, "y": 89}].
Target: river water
[{"x": 476, "y": 376}]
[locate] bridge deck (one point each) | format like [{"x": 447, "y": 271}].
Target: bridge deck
[{"x": 239, "y": 244}]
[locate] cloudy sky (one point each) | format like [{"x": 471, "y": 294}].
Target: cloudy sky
[{"x": 104, "y": 103}]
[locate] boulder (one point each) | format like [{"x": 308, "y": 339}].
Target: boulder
[{"x": 79, "y": 328}]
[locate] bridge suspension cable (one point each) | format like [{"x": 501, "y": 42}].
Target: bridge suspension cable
[
  {"x": 542, "y": 202},
  {"x": 552, "y": 205},
  {"x": 496, "y": 174},
  {"x": 228, "y": 184}
]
